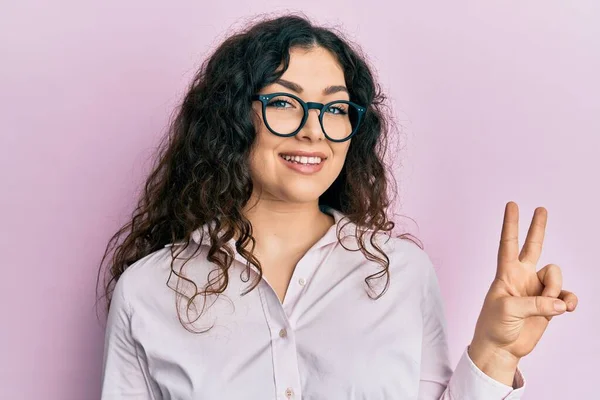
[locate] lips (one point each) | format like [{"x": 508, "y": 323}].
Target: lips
[
  {"x": 300, "y": 153},
  {"x": 305, "y": 169}
]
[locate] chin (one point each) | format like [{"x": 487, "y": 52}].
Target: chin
[{"x": 301, "y": 196}]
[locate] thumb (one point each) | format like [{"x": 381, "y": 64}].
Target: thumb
[{"x": 537, "y": 306}]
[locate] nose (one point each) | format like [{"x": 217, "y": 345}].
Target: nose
[{"x": 312, "y": 127}]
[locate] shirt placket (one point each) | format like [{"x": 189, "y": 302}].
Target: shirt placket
[
  {"x": 283, "y": 346},
  {"x": 281, "y": 319}
]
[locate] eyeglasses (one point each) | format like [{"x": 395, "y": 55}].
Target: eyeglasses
[{"x": 285, "y": 114}]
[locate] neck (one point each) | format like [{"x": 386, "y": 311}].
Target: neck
[{"x": 280, "y": 227}]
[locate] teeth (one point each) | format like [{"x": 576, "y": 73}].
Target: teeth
[{"x": 303, "y": 160}]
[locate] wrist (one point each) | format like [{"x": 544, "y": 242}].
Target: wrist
[{"x": 494, "y": 361}]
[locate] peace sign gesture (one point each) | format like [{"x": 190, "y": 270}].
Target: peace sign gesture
[{"x": 521, "y": 301}]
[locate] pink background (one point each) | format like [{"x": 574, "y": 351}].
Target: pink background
[{"x": 499, "y": 101}]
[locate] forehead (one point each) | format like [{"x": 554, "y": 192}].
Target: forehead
[{"x": 314, "y": 69}]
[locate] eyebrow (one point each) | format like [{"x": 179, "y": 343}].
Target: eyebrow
[{"x": 298, "y": 89}]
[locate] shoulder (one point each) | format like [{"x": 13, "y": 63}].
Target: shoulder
[
  {"x": 148, "y": 277},
  {"x": 405, "y": 252},
  {"x": 408, "y": 262}
]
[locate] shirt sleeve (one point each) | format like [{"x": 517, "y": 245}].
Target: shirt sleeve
[
  {"x": 467, "y": 381},
  {"x": 124, "y": 372}
]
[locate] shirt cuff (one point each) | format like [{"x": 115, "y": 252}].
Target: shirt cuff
[{"x": 469, "y": 382}]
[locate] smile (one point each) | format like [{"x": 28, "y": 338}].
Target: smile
[{"x": 312, "y": 165}]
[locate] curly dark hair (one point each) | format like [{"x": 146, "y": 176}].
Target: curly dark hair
[{"x": 201, "y": 173}]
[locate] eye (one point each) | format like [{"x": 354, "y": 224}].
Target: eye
[
  {"x": 278, "y": 103},
  {"x": 337, "y": 110}
]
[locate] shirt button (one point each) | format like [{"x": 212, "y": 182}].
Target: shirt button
[
  {"x": 289, "y": 393},
  {"x": 283, "y": 333},
  {"x": 301, "y": 281}
]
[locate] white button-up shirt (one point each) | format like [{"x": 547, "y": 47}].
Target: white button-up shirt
[{"x": 328, "y": 340}]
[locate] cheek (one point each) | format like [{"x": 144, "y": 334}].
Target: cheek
[
  {"x": 341, "y": 152},
  {"x": 262, "y": 159}
]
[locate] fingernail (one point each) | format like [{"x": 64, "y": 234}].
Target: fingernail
[
  {"x": 570, "y": 305},
  {"x": 560, "y": 305}
]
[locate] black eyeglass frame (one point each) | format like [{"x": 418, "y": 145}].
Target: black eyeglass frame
[{"x": 265, "y": 98}]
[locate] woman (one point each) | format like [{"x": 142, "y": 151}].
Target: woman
[{"x": 259, "y": 264}]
